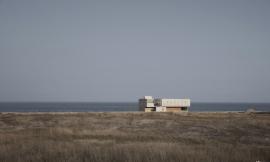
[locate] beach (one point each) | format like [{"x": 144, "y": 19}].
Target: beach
[{"x": 135, "y": 136}]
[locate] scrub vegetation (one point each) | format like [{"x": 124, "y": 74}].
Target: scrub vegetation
[{"x": 134, "y": 137}]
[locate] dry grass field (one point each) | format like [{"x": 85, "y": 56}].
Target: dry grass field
[{"x": 134, "y": 137}]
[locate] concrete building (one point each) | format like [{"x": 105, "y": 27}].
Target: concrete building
[{"x": 148, "y": 104}]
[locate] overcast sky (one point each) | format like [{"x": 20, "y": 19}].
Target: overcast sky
[{"x": 120, "y": 50}]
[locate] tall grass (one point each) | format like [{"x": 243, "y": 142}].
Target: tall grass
[{"x": 134, "y": 137}]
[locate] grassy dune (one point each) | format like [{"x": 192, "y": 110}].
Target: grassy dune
[{"x": 134, "y": 137}]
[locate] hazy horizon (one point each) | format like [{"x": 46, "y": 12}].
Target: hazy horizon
[
  {"x": 135, "y": 101},
  {"x": 94, "y": 51}
]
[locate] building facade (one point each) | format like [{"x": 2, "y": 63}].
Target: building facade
[{"x": 149, "y": 104}]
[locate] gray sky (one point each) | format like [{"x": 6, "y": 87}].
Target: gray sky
[{"x": 104, "y": 50}]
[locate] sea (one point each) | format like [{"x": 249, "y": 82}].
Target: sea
[{"x": 120, "y": 107}]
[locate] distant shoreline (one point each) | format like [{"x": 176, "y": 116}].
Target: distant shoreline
[
  {"x": 123, "y": 107},
  {"x": 140, "y": 112}
]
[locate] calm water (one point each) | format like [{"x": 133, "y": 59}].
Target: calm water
[{"x": 107, "y": 107}]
